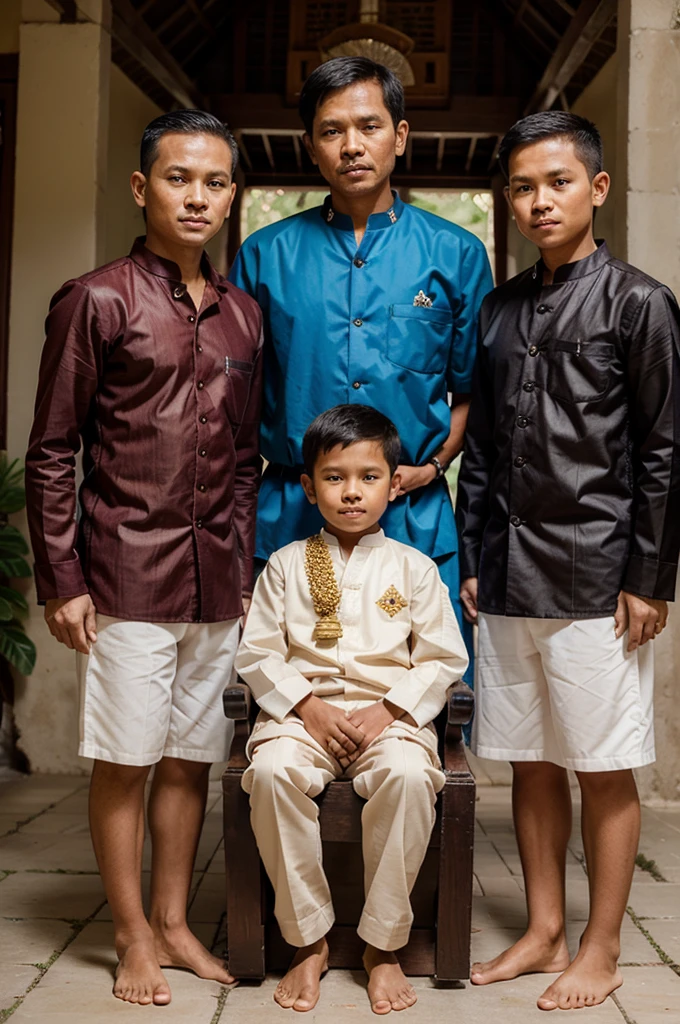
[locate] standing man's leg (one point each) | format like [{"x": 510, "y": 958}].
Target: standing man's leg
[
  {"x": 541, "y": 805},
  {"x": 611, "y": 832},
  {"x": 117, "y": 828}
]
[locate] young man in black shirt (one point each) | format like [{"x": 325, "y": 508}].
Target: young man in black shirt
[{"x": 569, "y": 513}]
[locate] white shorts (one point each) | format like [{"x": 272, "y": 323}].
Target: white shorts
[
  {"x": 154, "y": 689},
  {"x": 562, "y": 690}
]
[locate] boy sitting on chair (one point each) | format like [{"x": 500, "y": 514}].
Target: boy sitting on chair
[{"x": 349, "y": 648}]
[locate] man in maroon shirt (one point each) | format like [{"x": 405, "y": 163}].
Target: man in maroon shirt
[{"x": 154, "y": 362}]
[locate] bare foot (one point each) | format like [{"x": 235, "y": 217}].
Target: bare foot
[
  {"x": 388, "y": 987},
  {"x": 139, "y": 979},
  {"x": 587, "y": 981},
  {"x": 179, "y": 947},
  {"x": 529, "y": 955},
  {"x": 299, "y": 989}
]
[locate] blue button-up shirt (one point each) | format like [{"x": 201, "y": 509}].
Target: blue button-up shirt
[{"x": 341, "y": 326}]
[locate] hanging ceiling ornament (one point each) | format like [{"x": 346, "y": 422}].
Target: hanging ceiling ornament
[{"x": 369, "y": 38}]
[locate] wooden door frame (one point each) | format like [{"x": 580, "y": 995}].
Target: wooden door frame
[{"x": 9, "y": 74}]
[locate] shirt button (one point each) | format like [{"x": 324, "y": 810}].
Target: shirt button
[
  {"x": 358, "y": 263},
  {"x": 515, "y": 520},
  {"x": 191, "y": 319},
  {"x": 529, "y": 385},
  {"x": 542, "y": 308},
  {"x": 356, "y": 385},
  {"x": 200, "y": 385},
  {"x": 357, "y": 322},
  {"x": 202, "y": 488},
  {"x": 199, "y": 524},
  {"x": 199, "y": 348},
  {"x": 202, "y": 452},
  {"x": 520, "y": 461},
  {"x": 179, "y": 291},
  {"x": 533, "y": 351},
  {"x": 202, "y": 419},
  {"x": 522, "y": 422}
]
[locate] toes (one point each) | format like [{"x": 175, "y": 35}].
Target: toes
[
  {"x": 381, "y": 1006},
  {"x": 161, "y": 997}
]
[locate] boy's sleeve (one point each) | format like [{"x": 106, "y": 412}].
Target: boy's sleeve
[
  {"x": 438, "y": 655},
  {"x": 244, "y": 270},
  {"x": 654, "y": 387},
  {"x": 477, "y": 282},
  {"x": 479, "y": 453},
  {"x": 262, "y": 656}
]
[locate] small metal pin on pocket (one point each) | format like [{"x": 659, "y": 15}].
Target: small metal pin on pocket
[
  {"x": 578, "y": 346},
  {"x": 226, "y": 365}
]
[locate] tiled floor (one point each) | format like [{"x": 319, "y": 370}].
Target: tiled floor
[{"x": 56, "y": 959}]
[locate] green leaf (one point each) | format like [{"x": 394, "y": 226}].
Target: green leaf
[
  {"x": 12, "y": 495},
  {"x": 18, "y": 648},
  {"x": 17, "y": 600},
  {"x": 6, "y": 610},
  {"x": 14, "y": 566},
  {"x": 12, "y": 541}
]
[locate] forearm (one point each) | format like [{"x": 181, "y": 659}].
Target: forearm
[{"x": 453, "y": 445}]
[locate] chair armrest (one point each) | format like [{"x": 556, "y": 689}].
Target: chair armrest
[
  {"x": 461, "y": 704},
  {"x": 236, "y": 701}
]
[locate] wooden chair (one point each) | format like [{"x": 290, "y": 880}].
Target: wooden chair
[{"x": 441, "y": 899}]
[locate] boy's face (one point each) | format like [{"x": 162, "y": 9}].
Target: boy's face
[
  {"x": 551, "y": 193},
  {"x": 188, "y": 192},
  {"x": 352, "y": 487},
  {"x": 354, "y": 142}
]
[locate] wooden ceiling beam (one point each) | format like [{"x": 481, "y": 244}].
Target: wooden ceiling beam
[
  {"x": 132, "y": 33},
  {"x": 590, "y": 20}
]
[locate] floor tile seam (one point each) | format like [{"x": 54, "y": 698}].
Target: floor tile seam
[
  {"x": 38, "y": 814},
  {"x": 76, "y": 928},
  {"x": 622, "y": 1010},
  {"x": 221, "y": 1003},
  {"x": 667, "y": 960}
]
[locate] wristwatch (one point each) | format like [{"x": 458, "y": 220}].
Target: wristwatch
[{"x": 438, "y": 466}]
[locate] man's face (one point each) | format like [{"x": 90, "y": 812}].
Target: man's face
[
  {"x": 188, "y": 192},
  {"x": 354, "y": 142},
  {"x": 352, "y": 487},
  {"x": 551, "y": 194}
]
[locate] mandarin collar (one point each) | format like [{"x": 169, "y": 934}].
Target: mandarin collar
[
  {"x": 573, "y": 271},
  {"x": 370, "y": 540},
  {"x": 376, "y": 222},
  {"x": 160, "y": 267}
]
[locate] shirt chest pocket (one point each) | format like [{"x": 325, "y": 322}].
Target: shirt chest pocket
[
  {"x": 239, "y": 376},
  {"x": 579, "y": 371},
  {"x": 419, "y": 337}
]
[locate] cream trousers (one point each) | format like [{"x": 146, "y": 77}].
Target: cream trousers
[{"x": 398, "y": 776}]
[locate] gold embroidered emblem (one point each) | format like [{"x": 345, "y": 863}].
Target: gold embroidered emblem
[
  {"x": 422, "y": 299},
  {"x": 392, "y": 602},
  {"x": 392, "y": 215}
]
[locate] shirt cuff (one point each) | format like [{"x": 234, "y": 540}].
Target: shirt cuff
[
  {"x": 648, "y": 577},
  {"x": 280, "y": 701},
  {"x": 59, "y": 579},
  {"x": 421, "y": 709}
]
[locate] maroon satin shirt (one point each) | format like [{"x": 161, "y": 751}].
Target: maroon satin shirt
[{"x": 167, "y": 403}]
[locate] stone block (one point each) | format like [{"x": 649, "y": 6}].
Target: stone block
[{"x": 654, "y": 81}]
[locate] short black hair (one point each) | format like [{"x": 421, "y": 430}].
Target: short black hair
[
  {"x": 340, "y": 72},
  {"x": 547, "y": 124},
  {"x": 189, "y": 122},
  {"x": 346, "y": 425}
]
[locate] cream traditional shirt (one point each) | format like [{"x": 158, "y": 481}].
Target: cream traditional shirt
[{"x": 400, "y": 637}]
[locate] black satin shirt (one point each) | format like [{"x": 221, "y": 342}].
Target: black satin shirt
[{"x": 569, "y": 489}]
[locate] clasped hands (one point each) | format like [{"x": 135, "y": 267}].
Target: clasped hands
[{"x": 345, "y": 737}]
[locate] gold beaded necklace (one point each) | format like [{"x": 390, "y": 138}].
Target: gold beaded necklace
[{"x": 323, "y": 587}]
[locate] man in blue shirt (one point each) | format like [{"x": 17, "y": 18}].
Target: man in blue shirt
[{"x": 368, "y": 300}]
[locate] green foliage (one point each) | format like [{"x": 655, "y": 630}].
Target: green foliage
[{"x": 17, "y": 648}]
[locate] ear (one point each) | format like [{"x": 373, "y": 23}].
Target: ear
[
  {"x": 402, "y": 135},
  {"x": 600, "y": 185},
  {"x": 395, "y": 486},
  {"x": 308, "y": 488},
  {"x": 138, "y": 186},
  {"x": 232, "y": 193},
  {"x": 309, "y": 146}
]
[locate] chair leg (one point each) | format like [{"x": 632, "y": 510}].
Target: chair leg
[
  {"x": 454, "y": 910},
  {"x": 245, "y": 927}
]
